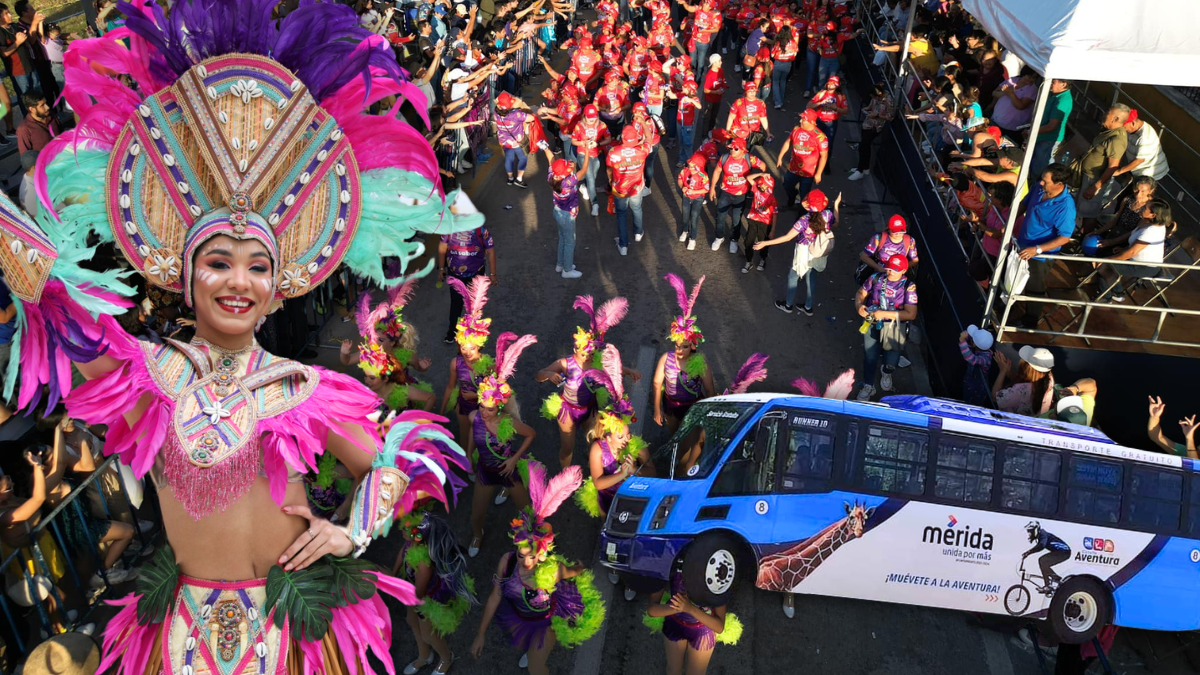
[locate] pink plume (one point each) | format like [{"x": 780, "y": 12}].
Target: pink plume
[
  {"x": 610, "y": 314},
  {"x": 537, "y": 484},
  {"x": 478, "y": 299},
  {"x": 691, "y": 304},
  {"x": 681, "y": 295},
  {"x": 806, "y": 387},
  {"x": 125, "y": 641},
  {"x": 461, "y": 288},
  {"x": 611, "y": 361},
  {"x": 399, "y": 296},
  {"x": 560, "y": 488},
  {"x": 753, "y": 370},
  {"x": 585, "y": 303},
  {"x": 841, "y": 386},
  {"x": 507, "y": 353},
  {"x": 362, "y": 316}
]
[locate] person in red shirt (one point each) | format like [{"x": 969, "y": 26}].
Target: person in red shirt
[
  {"x": 591, "y": 137},
  {"x": 686, "y": 116},
  {"x": 731, "y": 178},
  {"x": 626, "y": 177},
  {"x": 707, "y": 22},
  {"x": 694, "y": 184},
  {"x": 810, "y": 154},
  {"x": 714, "y": 90},
  {"x": 647, "y": 127},
  {"x": 760, "y": 218},
  {"x": 784, "y": 51},
  {"x": 748, "y": 118},
  {"x": 585, "y": 61},
  {"x": 613, "y": 101},
  {"x": 830, "y": 104},
  {"x": 830, "y": 47},
  {"x": 637, "y": 62}
]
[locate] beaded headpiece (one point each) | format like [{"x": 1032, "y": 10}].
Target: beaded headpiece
[
  {"x": 617, "y": 411},
  {"x": 530, "y": 528},
  {"x": 494, "y": 391},
  {"x": 602, "y": 319},
  {"x": 683, "y": 328},
  {"x": 472, "y": 328}
]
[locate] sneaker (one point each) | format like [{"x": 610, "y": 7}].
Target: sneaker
[
  {"x": 417, "y": 664},
  {"x": 866, "y": 393},
  {"x": 717, "y": 244},
  {"x": 789, "y": 605},
  {"x": 733, "y": 246},
  {"x": 511, "y": 180},
  {"x": 520, "y": 182},
  {"x": 806, "y": 311},
  {"x": 885, "y": 382},
  {"x": 761, "y": 266},
  {"x": 524, "y": 662},
  {"x": 466, "y": 165},
  {"x": 737, "y": 68},
  {"x": 630, "y": 594},
  {"x": 807, "y": 93},
  {"x": 679, "y": 165},
  {"x": 613, "y": 578},
  {"x": 86, "y": 629},
  {"x": 638, "y": 236},
  {"x": 745, "y": 268},
  {"x": 857, "y": 175},
  {"x": 501, "y": 497},
  {"x": 691, "y": 244},
  {"x": 572, "y": 274},
  {"x": 904, "y": 362},
  {"x": 583, "y": 192},
  {"x": 623, "y": 249},
  {"x": 1117, "y": 298},
  {"x": 558, "y": 268},
  {"x": 783, "y": 307},
  {"x": 683, "y": 237},
  {"x": 595, "y": 209}
]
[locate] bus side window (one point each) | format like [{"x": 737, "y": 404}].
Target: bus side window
[
  {"x": 1030, "y": 480},
  {"x": 894, "y": 461},
  {"x": 1094, "y": 489},
  {"x": 1154, "y": 498},
  {"x": 964, "y": 469},
  {"x": 809, "y": 461},
  {"x": 742, "y": 474},
  {"x": 1194, "y": 506},
  {"x": 853, "y": 453}
]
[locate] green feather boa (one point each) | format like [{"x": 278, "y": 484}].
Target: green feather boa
[
  {"x": 598, "y": 360},
  {"x": 483, "y": 366},
  {"x": 505, "y": 430},
  {"x": 552, "y": 406},
  {"x": 695, "y": 366},
  {"x": 326, "y": 470},
  {"x": 397, "y": 398},
  {"x": 445, "y": 617},
  {"x": 416, "y": 556},
  {"x": 403, "y": 356},
  {"x": 588, "y": 499},
  {"x": 583, "y": 627},
  {"x": 452, "y": 401},
  {"x": 633, "y": 448}
]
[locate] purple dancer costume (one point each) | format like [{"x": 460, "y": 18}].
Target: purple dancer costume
[
  {"x": 467, "y": 382},
  {"x": 684, "y": 626},
  {"x": 492, "y": 455},
  {"x": 681, "y": 390},
  {"x": 525, "y": 613},
  {"x": 578, "y": 401},
  {"x": 611, "y": 466}
]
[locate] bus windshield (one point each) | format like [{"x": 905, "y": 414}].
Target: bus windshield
[{"x": 705, "y": 432}]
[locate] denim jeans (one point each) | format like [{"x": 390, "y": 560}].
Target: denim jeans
[
  {"x": 1042, "y": 152},
  {"x": 793, "y": 282},
  {"x": 648, "y": 170},
  {"x": 670, "y": 121},
  {"x": 566, "y": 239},
  {"x": 514, "y": 160},
  {"x": 812, "y": 63},
  {"x": 779, "y": 80},
  {"x": 692, "y": 208},
  {"x": 22, "y": 84},
  {"x": 830, "y": 130},
  {"x": 794, "y": 184},
  {"x": 590, "y": 177},
  {"x": 686, "y": 134},
  {"x": 829, "y": 68},
  {"x": 623, "y": 205},
  {"x": 732, "y": 205},
  {"x": 568, "y": 147},
  {"x": 700, "y": 61},
  {"x": 871, "y": 349}
]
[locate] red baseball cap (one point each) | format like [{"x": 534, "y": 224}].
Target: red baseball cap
[
  {"x": 809, "y": 115},
  {"x": 591, "y": 112},
  {"x": 698, "y": 159},
  {"x": 897, "y": 263},
  {"x": 737, "y": 144},
  {"x": 766, "y": 182},
  {"x": 561, "y": 168},
  {"x": 816, "y": 200},
  {"x": 763, "y": 53},
  {"x": 630, "y": 135},
  {"x": 834, "y": 80},
  {"x": 897, "y": 224},
  {"x": 640, "y": 107},
  {"x": 504, "y": 100}
]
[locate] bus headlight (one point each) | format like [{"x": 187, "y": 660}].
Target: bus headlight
[{"x": 663, "y": 512}]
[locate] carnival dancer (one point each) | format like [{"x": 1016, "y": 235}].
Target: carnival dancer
[
  {"x": 682, "y": 376},
  {"x": 469, "y": 366},
  {"x": 576, "y": 404},
  {"x": 388, "y": 349},
  {"x": 205, "y": 183},
  {"x": 690, "y": 631},
  {"x": 433, "y": 561},
  {"x": 492, "y": 431},
  {"x": 538, "y": 597}
]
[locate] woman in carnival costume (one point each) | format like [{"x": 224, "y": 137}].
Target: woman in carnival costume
[
  {"x": 390, "y": 347},
  {"x": 690, "y": 631},
  {"x": 682, "y": 376},
  {"x": 470, "y": 365},
  {"x": 242, "y": 171},
  {"x": 433, "y": 561},
  {"x": 538, "y": 597},
  {"x": 492, "y": 432},
  {"x": 577, "y": 402}
]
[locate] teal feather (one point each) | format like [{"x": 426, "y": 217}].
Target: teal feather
[
  {"x": 76, "y": 180},
  {"x": 12, "y": 372}
]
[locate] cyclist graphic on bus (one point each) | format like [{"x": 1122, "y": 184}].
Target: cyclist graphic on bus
[{"x": 1056, "y": 551}]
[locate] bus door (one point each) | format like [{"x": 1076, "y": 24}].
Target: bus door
[{"x": 746, "y": 481}]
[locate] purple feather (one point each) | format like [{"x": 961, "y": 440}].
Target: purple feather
[{"x": 753, "y": 370}]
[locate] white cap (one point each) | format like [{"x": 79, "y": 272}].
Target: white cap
[
  {"x": 982, "y": 338},
  {"x": 1038, "y": 358},
  {"x": 1068, "y": 402},
  {"x": 714, "y": 59},
  {"x": 456, "y": 74}
]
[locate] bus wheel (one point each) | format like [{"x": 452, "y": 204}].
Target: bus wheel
[
  {"x": 1079, "y": 610},
  {"x": 1016, "y": 600},
  {"x": 710, "y": 569}
]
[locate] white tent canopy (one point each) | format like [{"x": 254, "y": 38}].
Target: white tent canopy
[{"x": 1136, "y": 41}]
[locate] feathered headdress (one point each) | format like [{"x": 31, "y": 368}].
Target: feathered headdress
[
  {"x": 494, "y": 391},
  {"x": 372, "y": 358},
  {"x": 615, "y": 412},
  {"x": 684, "y": 329},
  {"x": 531, "y": 528},
  {"x": 472, "y": 328},
  {"x": 838, "y": 388},
  {"x": 419, "y": 446},
  {"x": 391, "y": 324},
  {"x": 609, "y": 314},
  {"x": 753, "y": 370}
]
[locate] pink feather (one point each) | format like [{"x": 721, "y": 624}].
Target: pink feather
[
  {"x": 691, "y": 304},
  {"x": 839, "y": 388},
  {"x": 399, "y": 296},
  {"x": 461, "y": 288},
  {"x": 610, "y": 314},
  {"x": 558, "y": 490},
  {"x": 587, "y": 304},
  {"x": 611, "y": 362},
  {"x": 753, "y": 370},
  {"x": 479, "y": 293},
  {"x": 806, "y": 387},
  {"x": 537, "y": 484},
  {"x": 362, "y": 317},
  {"x": 508, "y": 353},
  {"x": 125, "y": 641},
  {"x": 681, "y": 296}
]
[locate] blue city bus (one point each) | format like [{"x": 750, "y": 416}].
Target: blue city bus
[{"x": 919, "y": 501}]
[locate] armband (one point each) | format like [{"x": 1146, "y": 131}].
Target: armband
[{"x": 374, "y": 503}]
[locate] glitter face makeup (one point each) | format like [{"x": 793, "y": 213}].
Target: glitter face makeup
[{"x": 232, "y": 287}]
